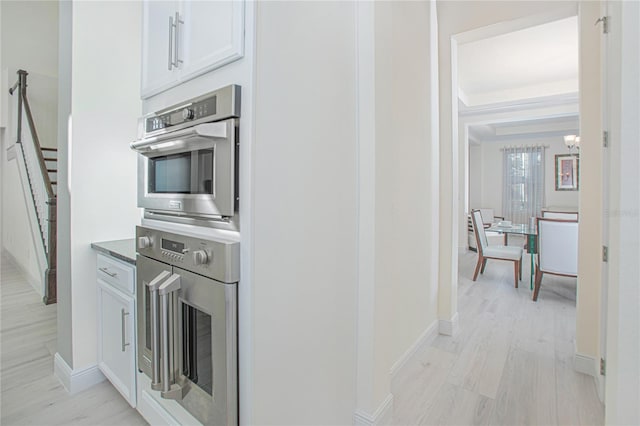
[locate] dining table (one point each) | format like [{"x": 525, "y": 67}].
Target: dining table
[{"x": 531, "y": 234}]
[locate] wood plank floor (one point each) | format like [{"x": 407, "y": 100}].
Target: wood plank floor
[
  {"x": 511, "y": 362},
  {"x": 29, "y": 392}
]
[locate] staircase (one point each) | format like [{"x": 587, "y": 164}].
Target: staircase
[
  {"x": 50, "y": 156},
  {"x": 40, "y": 166}
]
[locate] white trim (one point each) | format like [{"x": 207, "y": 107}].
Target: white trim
[
  {"x": 600, "y": 387},
  {"x": 36, "y": 283},
  {"x": 366, "y": 196},
  {"x": 430, "y": 332},
  {"x": 75, "y": 381},
  {"x": 449, "y": 327},
  {"x": 382, "y": 416},
  {"x": 153, "y": 412},
  {"x": 586, "y": 364}
]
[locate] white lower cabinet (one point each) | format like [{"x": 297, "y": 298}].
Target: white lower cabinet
[{"x": 116, "y": 327}]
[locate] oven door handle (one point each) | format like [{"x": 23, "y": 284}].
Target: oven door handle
[
  {"x": 172, "y": 140},
  {"x": 154, "y": 285},
  {"x": 170, "y": 389}
]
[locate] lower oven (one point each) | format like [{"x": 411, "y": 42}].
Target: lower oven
[{"x": 187, "y": 321}]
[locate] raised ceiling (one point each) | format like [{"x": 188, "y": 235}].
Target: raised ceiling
[
  {"x": 521, "y": 85},
  {"x": 534, "y": 62},
  {"x": 534, "y": 128}
]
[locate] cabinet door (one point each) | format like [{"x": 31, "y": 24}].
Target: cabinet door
[
  {"x": 211, "y": 36},
  {"x": 157, "y": 47},
  {"x": 116, "y": 339}
]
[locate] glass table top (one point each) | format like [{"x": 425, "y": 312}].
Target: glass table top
[{"x": 515, "y": 228}]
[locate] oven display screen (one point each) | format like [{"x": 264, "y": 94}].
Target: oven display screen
[
  {"x": 190, "y": 112},
  {"x": 172, "y": 246}
]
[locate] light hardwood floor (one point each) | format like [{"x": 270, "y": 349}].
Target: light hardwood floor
[
  {"x": 29, "y": 392},
  {"x": 511, "y": 363}
]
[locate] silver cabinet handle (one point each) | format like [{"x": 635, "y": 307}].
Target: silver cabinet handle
[
  {"x": 176, "y": 40},
  {"x": 123, "y": 314},
  {"x": 170, "y": 64},
  {"x": 106, "y": 271},
  {"x": 170, "y": 389},
  {"x": 153, "y": 285}
]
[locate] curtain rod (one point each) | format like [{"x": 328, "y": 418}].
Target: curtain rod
[{"x": 523, "y": 146}]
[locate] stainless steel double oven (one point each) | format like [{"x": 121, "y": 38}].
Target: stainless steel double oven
[
  {"x": 187, "y": 285},
  {"x": 187, "y": 321}
]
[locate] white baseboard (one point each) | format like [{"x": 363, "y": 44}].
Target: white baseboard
[
  {"x": 423, "y": 339},
  {"x": 590, "y": 366},
  {"x": 75, "y": 381},
  {"x": 600, "y": 387},
  {"x": 449, "y": 327},
  {"x": 586, "y": 364},
  {"x": 382, "y": 416},
  {"x": 37, "y": 284}
]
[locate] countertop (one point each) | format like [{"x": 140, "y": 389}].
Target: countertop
[{"x": 124, "y": 250}]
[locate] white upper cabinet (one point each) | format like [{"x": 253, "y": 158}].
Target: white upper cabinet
[
  {"x": 184, "y": 39},
  {"x": 157, "y": 72}
]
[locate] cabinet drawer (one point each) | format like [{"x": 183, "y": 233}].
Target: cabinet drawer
[{"x": 116, "y": 273}]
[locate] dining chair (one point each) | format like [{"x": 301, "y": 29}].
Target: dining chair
[
  {"x": 488, "y": 218},
  {"x": 549, "y": 214},
  {"x": 557, "y": 249},
  {"x": 503, "y": 252}
]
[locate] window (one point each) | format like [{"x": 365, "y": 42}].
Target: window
[{"x": 523, "y": 183}]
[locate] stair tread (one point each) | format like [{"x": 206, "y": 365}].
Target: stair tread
[
  {"x": 49, "y": 149},
  {"x": 52, "y": 170}
]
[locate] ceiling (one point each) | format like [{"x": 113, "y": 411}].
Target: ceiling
[
  {"x": 533, "y": 62},
  {"x": 524, "y": 74},
  {"x": 534, "y": 128}
]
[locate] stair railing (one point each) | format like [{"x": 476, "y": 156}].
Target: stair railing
[{"x": 41, "y": 188}]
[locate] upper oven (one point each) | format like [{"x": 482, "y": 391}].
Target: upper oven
[{"x": 188, "y": 162}]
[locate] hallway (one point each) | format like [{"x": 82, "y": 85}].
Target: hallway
[
  {"x": 30, "y": 394},
  {"x": 511, "y": 362}
]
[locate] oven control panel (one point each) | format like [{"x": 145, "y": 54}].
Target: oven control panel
[
  {"x": 217, "y": 259},
  {"x": 214, "y": 106}
]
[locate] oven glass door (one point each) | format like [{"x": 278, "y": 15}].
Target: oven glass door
[
  {"x": 206, "y": 348},
  {"x": 194, "y": 176},
  {"x": 196, "y": 347},
  {"x": 182, "y": 173}
]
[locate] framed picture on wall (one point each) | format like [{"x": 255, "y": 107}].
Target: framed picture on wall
[{"x": 567, "y": 172}]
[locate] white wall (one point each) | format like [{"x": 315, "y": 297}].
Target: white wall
[
  {"x": 304, "y": 211},
  {"x": 30, "y": 42},
  {"x": 623, "y": 328},
  {"x": 101, "y": 169},
  {"x": 29, "y": 38},
  {"x": 486, "y": 174},
  {"x": 476, "y": 171},
  {"x": 588, "y": 299},
  {"x": 65, "y": 341},
  {"x": 405, "y": 209}
]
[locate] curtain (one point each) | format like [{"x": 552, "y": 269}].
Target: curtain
[{"x": 522, "y": 183}]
